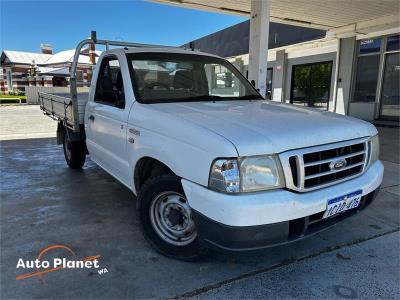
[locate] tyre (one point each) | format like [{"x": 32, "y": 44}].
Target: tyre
[
  {"x": 74, "y": 152},
  {"x": 166, "y": 219}
]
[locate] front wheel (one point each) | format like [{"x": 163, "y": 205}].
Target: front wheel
[
  {"x": 74, "y": 152},
  {"x": 166, "y": 219}
]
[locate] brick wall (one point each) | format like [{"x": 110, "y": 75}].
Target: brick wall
[
  {"x": 20, "y": 78},
  {"x": 2, "y": 81}
]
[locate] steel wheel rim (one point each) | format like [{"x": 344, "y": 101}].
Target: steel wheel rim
[{"x": 171, "y": 218}]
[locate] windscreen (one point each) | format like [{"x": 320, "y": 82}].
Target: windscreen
[{"x": 171, "y": 77}]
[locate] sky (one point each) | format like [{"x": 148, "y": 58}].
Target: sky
[{"x": 24, "y": 25}]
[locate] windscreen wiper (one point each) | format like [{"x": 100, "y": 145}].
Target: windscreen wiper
[
  {"x": 214, "y": 97},
  {"x": 249, "y": 97},
  {"x": 205, "y": 97}
]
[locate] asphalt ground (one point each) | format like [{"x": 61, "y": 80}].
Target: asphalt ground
[{"x": 43, "y": 202}]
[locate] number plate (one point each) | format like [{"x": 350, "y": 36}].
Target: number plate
[{"x": 342, "y": 203}]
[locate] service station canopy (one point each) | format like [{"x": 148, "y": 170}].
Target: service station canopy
[
  {"x": 340, "y": 18},
  {"x": 336, "y": 16}
]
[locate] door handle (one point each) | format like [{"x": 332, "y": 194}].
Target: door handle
[{"x": 91, "y": 118}]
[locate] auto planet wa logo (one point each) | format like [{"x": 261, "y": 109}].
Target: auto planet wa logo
[{"x": 60, "y": 262}]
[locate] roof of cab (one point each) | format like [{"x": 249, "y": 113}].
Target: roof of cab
[{"x": 160, "y": 50}]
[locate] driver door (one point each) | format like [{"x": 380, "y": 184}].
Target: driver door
[{"x": 107, "y": 117}]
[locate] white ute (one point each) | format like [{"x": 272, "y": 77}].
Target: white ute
[{"x": 211, "y": 162}]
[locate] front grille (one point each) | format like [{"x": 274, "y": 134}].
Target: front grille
[
  {"x": 317, "y": 169},
  {"x": 312, "y": 168}
]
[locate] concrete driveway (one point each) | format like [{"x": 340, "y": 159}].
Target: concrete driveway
[
  {"x": 44, "y": 203},
  {"x": 25, "y": 122}
]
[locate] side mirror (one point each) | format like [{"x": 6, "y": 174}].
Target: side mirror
[{"x": 253, "y": 82}]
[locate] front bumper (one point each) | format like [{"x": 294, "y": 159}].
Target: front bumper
[
  {"x": 257, "y": 220},
  {"x": 241, "y": 238}
]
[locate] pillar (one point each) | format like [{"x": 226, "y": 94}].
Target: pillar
[
  {"x": 278, "y": 77},
  {"x": 343, "y": 75},
  {"x": 258, "y": 43}
]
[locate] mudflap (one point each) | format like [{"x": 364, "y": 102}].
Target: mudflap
[{"x": 73, "y": 136}]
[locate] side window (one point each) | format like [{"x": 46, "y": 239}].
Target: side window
[{"x": 110, "y": 87}]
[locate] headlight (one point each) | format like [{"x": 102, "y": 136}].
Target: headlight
[
  {"x": 374, "y": 144},
  {"x": 255, "y": 173},
  {"x": 260, "y": 173}
]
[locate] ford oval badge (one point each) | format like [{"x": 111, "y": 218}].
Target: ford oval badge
[{"x": 338, "y": 164}]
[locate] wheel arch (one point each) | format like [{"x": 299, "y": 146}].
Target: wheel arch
[{"x": 147, "y": 167}]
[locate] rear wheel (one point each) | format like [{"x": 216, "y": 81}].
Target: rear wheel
[
  {"x": 166, "y": 218},
  {"x": 74, "y": 152}
]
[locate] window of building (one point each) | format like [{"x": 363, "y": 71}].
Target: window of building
[
  {"x": 367, "y": 70},
  {"x": 59, "y": 81},
  {"x": 79, "y": 75},
  {"x": 393, "y": 43},
  {"x": 390, "y": 92},
  {"x": 366, "y": 78},
  {"x": 390, "y": 95},
  {"x": 110, "y": 89},
  {"x": 9, "y": 79},
  {"x": 370, "y": 46},
  {"x": 311, "y": 84}
]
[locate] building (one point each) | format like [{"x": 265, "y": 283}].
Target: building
[
  {"x": 353, "y": 70},
  {"x": 302, "y": 65},
  {"x": 19, "y": 69},
  {"x": 234, "y": 40}
]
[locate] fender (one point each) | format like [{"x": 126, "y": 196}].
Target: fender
[{"x": 190, "y": 163}]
